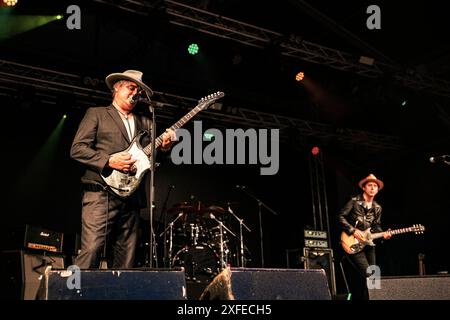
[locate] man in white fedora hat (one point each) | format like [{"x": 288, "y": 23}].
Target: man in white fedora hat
[
  {"x": 108, "y": 220},
  {"x": 359, "y": 214}
]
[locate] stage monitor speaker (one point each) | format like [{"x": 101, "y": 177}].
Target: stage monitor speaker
[
  {"x": 320, "y": 258},
  {"x": 432, "y": 287},
  {"x": 268, "y": 284},
  {"x": 24, "y": 271},
  {"x": 128, "y": 284}
]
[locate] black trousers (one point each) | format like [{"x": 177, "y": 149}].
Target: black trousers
[
  {"x": 358, "y": 272},
  {"x": 109, "y": 228}
]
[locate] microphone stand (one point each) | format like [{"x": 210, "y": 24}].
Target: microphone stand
[
  {"x": 260, "y": 205},
  {"x": 152, "y": 180},
  {"x": 241, "y": 237},
  {"x": 170, "y": 227}
]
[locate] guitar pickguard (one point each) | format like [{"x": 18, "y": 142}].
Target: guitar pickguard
[{"x": 124, "y": 184}]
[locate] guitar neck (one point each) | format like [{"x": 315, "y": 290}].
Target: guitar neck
[
  {"x": 393, "y": 232},
  {"x": 158, "y": 142}
]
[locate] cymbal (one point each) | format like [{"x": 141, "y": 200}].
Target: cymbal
[{"x": 216, "y": 210}]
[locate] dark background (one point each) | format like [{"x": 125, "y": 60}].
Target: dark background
[{"x": 42, "y": 182}]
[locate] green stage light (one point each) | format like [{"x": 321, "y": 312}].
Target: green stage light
[
  {"x": 12, "y": 25},
  {"x": 208, "y": 136},
  {"x": 59, "y": 17},
  {"x": 193, "y": 48},
  {"x": 65, "y": 116}
]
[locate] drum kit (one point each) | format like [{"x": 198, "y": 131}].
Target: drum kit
[{"x": 197, "y": 239}]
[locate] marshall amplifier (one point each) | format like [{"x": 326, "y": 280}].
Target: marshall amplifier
[{"x": 43, "y": 239}]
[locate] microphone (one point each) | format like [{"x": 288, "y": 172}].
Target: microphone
[
  {"x": 138, "y": 96},
  {"x": 442, "y": 158}
]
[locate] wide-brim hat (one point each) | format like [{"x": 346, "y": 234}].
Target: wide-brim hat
[
  {"x": 130, "y": 75},
  {"x": 371, "y": 178}
]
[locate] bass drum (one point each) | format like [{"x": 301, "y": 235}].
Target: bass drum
[{"x": 200, "y": 262}]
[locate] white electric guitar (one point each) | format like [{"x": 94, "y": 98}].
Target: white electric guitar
[{"x": 124, "y": 184}]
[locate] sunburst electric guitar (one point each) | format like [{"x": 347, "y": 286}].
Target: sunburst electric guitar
[
  {"x": 124, "y": 184},
  {"x": 351, "y": 245}
]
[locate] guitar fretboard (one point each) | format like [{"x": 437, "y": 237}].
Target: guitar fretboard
[
  {"x": 148, "y": 149},
  {"x": 402, "y": 230},
  {"x": 396, "y": 231}
]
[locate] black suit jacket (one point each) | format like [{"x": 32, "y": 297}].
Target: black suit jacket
[{"x": 100, "y": 134}]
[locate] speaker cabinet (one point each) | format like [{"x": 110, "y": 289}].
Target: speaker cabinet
[
  {"x": 431, "y": 287},
  {"x": 23, "y": 271},
  {"x": 268, "y": 284},
  {"x": 318, "y": 258},
  {"x": 134, "y": 284}
]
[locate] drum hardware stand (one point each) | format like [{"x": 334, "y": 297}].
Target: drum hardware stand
[
  {"x": 195, "y": 233},
  {"x": 241, "y": 237},
  {"x": 260, "y": 204},
  {"x": 221, "y": 227},
  {"x": 170, "y": 228}
]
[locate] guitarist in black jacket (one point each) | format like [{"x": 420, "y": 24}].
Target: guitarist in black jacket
[
  {"x": 359, "y": 214},
  {"x": 110, "y": 221}
]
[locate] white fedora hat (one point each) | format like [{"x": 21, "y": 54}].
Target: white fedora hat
[{"x": 130, "y": 75}]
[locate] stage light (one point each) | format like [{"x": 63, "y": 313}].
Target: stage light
[
  {"x": 193, "y": 48},
  {"x": 59, "y": 17},
  {"x": 10, "y": 3},
  {"x": 208, "y": 136},
  {"x": 65, "y": 116},
  {"x": 315, "y": 151},
  {"x": 404, "y": 103},
  {"x": 16, "y": 24},
  {"x": 299, "y": 76}
]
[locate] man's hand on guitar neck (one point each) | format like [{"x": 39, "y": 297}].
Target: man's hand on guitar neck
[
  {"x": 387, "y": 235},
  {"x": 122, "y": 161},
  {"x": 168, "y": 138}
]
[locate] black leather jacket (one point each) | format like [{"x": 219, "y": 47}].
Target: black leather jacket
[{"x": 355, "y": 215}]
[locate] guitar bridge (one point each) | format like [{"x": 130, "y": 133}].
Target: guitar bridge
[{"x": 356, "y": 247}]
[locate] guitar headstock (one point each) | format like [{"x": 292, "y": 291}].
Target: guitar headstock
[
  {"x": 207, "y": 100},
  {"x": 418, "y": 228}
]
